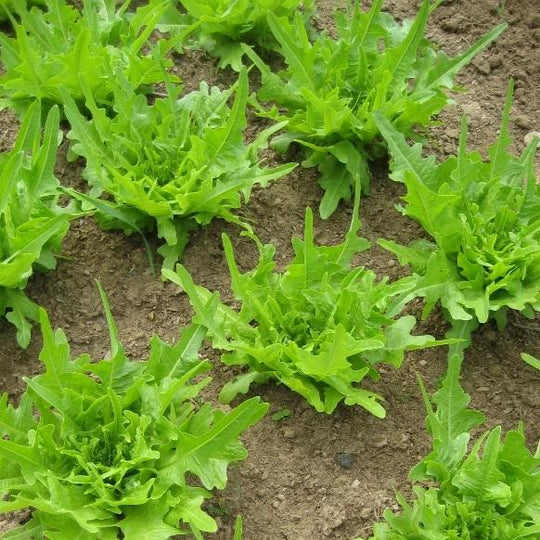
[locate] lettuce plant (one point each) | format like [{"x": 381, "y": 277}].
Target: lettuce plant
[
  {"x": 320, "y": 327},
  {"x": 330, "y": 89},
  {"x": 221, "y": 25},
  {"x": 173, "y": 164},
  {"x": 484, "y": 221},
  {"x": 65, "y": 46},
  {"x": 489, "y": 492},
  {"x": 98, "y": 449},
  {"x": 32, "y": 223}
]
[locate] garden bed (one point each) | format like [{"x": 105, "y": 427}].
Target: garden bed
[{"x": 314, "y": 476}]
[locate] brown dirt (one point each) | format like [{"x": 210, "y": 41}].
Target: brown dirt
[{"x": 292, "y": 485}]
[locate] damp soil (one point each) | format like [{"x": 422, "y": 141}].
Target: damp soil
[{"x": 312, "y": 476}]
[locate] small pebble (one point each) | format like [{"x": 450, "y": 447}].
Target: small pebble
[
  {"x": 391, "y": 263},
  {"x": 276, "y": 504},
  {"x": 530, "y": 136},
  {"x": 382, "y": 443},
  {"x": 345, "y": 460},
  {"x": 483, "y": 66},
  {"x": 366, "y": 513},
  {"x": 356, "y": 483},
  {"x": 451, "y": 25},
  {"x": 281, "y": 497},
  {"x": 483, "y": 389},
  {"x": 534, "y": 22},
  {"x": 523, "y": 122},
  {"x": 289, "y": 433}
]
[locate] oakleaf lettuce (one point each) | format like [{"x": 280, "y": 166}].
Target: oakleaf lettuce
[
  {"x": 70, "y": 47},
  {"x": 221, "y": 25},
  {"x": 174, "y": 164},
  {"x": 32, "y": 222},
  {"x": 96, "y": 449},
  {"x": 319, "y": 327},
  {"x": 483, "y": 218},
  {"x": 490, "y": 491},
  {"x": 331, "y": 87}
]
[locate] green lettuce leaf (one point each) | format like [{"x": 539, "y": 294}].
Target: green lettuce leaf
[
  {"x": 491, "y": 491},
  {"x": 32, "y": 222},
  {"x": 96, "y": 449},
  {"x": 331, "y": 88},
  {"x": 484, "y": 221},
  {"x": 172, "y": 165},
  {"x": 221, "y": 26},
  {"x": 319, "y": 327},
  {"x": 77, "y": 48}
]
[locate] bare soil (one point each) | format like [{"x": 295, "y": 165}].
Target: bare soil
[{"x": 294, "y": 484}]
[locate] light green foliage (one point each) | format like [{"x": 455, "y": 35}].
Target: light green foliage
[
  {"x": 7, "y": 6},
  {"x": 173, "y": 164},
  {"x": 484, "y": 219},
  {"x": 65, "y": 46},
  {"x": 99, "y": 448},
  {"x": 222, "y": 25},
  {"x": 531, "y": 360},
  {"x": 320, "y": 327},
  {"x": 32, "y": 224},
  {"x": 490, "y": 492},
  {"x": 331, "y": 88}
]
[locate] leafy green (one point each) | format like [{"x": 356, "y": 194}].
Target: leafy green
[
  {"x": 65, "y": 46},
  {"x": 531, "y": 360},
  {"x": 320, "y": 327},
  {"x": 221, "y": 25},
  {"x": 32, "y": 223},
  {"x": 331, "y": 87},
  {"x": 6, "y": 7},
  {"x": 99, "y": 448},
  {"x": 484, "y": 219},
  {"x": 491, "y": 492},
  {"x": 173, "y": 164}
]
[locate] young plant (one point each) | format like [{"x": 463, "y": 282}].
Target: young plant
[
  {"x": 320, "y": 327},
  {"x": 330, "y": 89},
  {"x": 65, "y": 46},
  {"x": 98, "y": 449},
  {"x": 32, "y": 223},
  {"x": 173, "y": 164},
  {"x": 223, "y": 25},
  {"x": 489, "y": 492},
  {"x": 484, "y": 219}
]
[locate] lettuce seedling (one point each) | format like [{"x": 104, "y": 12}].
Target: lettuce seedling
[
  {"x": 32, "y": 222},
  {"x": 98, "y": 449},
  {"x": 320, "y": 327},
  {"x": 65, "y": 46},
  {"x": 221, "y": 25},
  {"x": 173, "y": 164},
  {"x": 484, "y": 221},
  {"x": 330, "y": 89},
  {"x": 490, "y": 492}
]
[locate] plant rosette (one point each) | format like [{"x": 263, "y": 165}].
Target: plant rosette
[
  {"x": 172, "y": 165},
  {"x": 319, "y": 327},
  {"x": 98, "y": 449},
  {"x": 330, "y": 89},
  {"x": 484, "y": 221}
]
